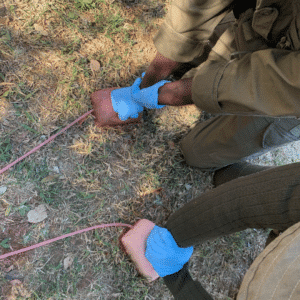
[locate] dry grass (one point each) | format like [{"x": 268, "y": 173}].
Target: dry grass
[{"x": 89, "y": 175}]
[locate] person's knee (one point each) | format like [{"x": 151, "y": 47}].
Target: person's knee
[
  {"x": 196, "y": 156},
  {"x": 187, "y": 151},
  {"x": 183, "y": 148}
]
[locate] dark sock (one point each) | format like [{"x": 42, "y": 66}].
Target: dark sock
[
  {"x": 183, "y": 287},
  {"x": 236, "y": 170}
]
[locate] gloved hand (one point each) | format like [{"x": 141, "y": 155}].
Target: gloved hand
[
  {"x": 129, "y": 102},
  {"x": 147, "y": 97},
  {"x": 164, "y": 254},
  {"x": 124, "y": 104},
  {"x": 104, "y": 112}
]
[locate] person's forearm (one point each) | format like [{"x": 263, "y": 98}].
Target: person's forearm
[
  {"x": 159, "y": 69},
  {"x": 176, "y": 93}
]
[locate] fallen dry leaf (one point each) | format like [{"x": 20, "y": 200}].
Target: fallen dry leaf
[
  {"x": 40, "y": 29},
  {"x": 18, "y": 290},
  {"x": 9, "y": 269},
  {"x": 2, "y": 189},
  {"x": 15, "y": 282},
  {"x": 37, "y": 215},
  {"x": 6, "y": 83},
  {"x": 7, "y": 211},
  {"x": 171, "y": 144},
  {"x": 49, "y": 178},
  {"x": 94, "y": 65}
]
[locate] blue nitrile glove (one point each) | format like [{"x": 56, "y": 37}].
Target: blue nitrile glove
[
  {"x": 147, "y": 97},
  {"x": 164, "y": 254},
  {"x": 123, "y": 103}
]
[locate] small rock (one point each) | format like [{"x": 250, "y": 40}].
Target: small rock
[
  {"x": 37, "y": 215},
  {"x": 2, "y": 189},
  {"x": 68, "y": 262},
  {"x": 56, "y": 169}
]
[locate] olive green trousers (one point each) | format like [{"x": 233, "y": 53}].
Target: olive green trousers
[{"x": 226, "y": 139}]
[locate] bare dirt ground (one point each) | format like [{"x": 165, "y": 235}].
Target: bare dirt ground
[{"x": 88, "y": 175}]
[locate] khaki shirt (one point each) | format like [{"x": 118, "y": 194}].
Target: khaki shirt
[{"x": 264, "y": 81}]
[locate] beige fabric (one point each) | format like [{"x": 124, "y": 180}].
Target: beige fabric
[{"x": 275, "y": 273}]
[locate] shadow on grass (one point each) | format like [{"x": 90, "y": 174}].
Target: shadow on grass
[{"x": 149, "y": 9}]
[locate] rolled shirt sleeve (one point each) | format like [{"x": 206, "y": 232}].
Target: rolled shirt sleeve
[
  {"x": 188, "y": 27},
  {"x": 265, "y": 82}
]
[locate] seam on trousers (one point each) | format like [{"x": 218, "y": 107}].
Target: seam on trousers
[
  {"x": 294, "y": 289},
  {"x": 291, "y": 263},
  {"x": 217, "y": 84},
  {"x": 245, "y": 293}
]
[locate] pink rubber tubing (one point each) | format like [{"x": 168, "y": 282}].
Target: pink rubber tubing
[{"x": 63, "y": 237}]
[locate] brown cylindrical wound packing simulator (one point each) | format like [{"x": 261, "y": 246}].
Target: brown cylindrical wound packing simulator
[{"x": 104, "y": 112}]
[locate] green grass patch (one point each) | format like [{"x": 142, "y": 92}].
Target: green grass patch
[{"x": 5, "y": 150}]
